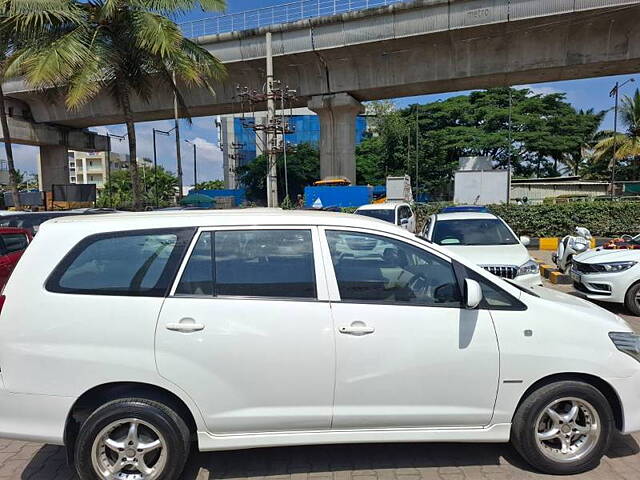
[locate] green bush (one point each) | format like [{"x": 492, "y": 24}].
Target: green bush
[{"x": 603, "y": 219}]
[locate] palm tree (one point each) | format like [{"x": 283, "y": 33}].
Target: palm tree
[
  {"x": 590, "y": 135},
  {"x": 126, "y": 48},
  {"x": 627, "y": 144}
]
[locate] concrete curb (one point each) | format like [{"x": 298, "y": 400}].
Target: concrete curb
[
  {"x": 555, "y": 276},
  {"x": 551, "y": 243}
]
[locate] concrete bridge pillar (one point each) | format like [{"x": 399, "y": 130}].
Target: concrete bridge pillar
[
  {"x": 53, "y": 167},
  {"x": 337, "y": 113}
]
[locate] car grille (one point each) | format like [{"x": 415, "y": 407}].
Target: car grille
[
  {"x": 504, "y": 271},
  {"x": 584, "y": 267}
]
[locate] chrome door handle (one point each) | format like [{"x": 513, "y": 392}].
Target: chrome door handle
[
  {"x": 357, "y": 328},
  {"x": 186, "y": 325}
]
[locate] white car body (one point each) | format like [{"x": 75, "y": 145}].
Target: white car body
[
  {"x": 401, "y": 214},
  {"x": 605, "y": 286},
  {"x": 273, "y": 371},
  {"x": 502, "y": 260}
]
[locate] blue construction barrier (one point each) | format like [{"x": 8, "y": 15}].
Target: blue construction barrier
[
  {"x": 239, "y": 194},
  {"x": 324, "y": 197}
]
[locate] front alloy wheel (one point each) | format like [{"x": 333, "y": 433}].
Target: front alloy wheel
[
  {"x": 563, "y": 427},
  {"x": 567, "y": 430}
]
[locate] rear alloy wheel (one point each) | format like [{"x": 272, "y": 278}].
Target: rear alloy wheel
[
  {"x": 132, "y": 439},
  {"x": 563, "y": 428}
]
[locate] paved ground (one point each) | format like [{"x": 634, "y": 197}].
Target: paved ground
[{"x": 27, "y": 461}]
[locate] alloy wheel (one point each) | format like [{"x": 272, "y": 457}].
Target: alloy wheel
[
  {"x": 567, "y": 430},
  {"x": 129, "y": 449}
]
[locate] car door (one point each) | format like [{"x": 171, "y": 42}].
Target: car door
[
  {"x": 407, "y": 354},
  {"x": 247, "y": 331}
]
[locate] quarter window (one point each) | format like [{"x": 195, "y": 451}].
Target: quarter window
[
  {"x": 126, "y": 264},
  {"x": 372, "y": 268},
  {"x": 251, "y": 263}
]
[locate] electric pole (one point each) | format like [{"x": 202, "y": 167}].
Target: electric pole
[{"x": 272, "y": 172}]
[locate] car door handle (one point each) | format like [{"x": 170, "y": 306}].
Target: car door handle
[
  {"x": 186, "y": 325},
  {"x": 357, "y": 328}
]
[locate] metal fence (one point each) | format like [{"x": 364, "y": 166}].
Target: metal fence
[{"x": 284, "y": 13}]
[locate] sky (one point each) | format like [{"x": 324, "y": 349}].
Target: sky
[{"x": 582, "y": 94}]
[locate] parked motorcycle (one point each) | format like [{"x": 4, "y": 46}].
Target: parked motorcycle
[{"x": 570, "y": 246}]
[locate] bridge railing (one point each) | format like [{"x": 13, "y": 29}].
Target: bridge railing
[{"x": 283, "y": 13}]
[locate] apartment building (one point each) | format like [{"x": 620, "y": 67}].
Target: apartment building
[{"x": 93, "y": 167}]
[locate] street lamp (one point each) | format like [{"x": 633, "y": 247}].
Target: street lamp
[
  {"x": 615, "y": 93},
  {"x": 120, "y": 138},
  {"x": 155, "y": 162},
  {"x": 195, "y": 166}
]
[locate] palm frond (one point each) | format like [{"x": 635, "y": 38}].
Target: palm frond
[{"x": 155, "y": 33}]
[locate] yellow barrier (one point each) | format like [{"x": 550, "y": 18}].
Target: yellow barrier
[{"x": 549, "y": 243}]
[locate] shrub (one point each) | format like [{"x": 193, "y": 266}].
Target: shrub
[{"x": 603, "y": 219}]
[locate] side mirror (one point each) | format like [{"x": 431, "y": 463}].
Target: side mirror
[
  {"x": 404, "y": 222},
  {"x": 473, "y": 294},
  {"x": 525, "y": 240}
]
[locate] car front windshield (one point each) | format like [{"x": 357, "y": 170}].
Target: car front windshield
[
  {"x": 484, "y": 231},
  {"x": 386, "y": 214}
]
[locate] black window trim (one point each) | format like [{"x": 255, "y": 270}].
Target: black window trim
[
  {"x": 3, "y": 246},
  {"x": 244, "y": 228},
  {"x": 184, "y": 237},
  {"x": 462, "y": 273}
]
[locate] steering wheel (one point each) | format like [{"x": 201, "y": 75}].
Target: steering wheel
[{"x": 419, "y": 285}]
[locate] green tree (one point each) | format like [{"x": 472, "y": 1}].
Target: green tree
[
  {"x": 127, "y": 48},
  {"x": 626, "y": 144},
  {"x": 303, "y": 168},
  {"x": 118, "y": 191},
  {"x": 32, "y": 15},
  {"x": 211, "y": 185}
]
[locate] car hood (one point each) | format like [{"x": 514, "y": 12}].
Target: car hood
[
  {"x": 580, "y": 306},
  {"x": 492, "y": 254},
  {"x": 605, "y": 256}
]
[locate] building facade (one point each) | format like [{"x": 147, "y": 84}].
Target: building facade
[
  {"x": 93, "y": 167},
  {"x": 240, "y": 144}
]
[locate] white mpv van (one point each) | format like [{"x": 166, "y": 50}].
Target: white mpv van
[{"x": 127, "y": 337}]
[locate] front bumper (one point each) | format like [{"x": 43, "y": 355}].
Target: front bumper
[
  {"x": 605, "y": 287},
  {"x": 628, "y": 390}
]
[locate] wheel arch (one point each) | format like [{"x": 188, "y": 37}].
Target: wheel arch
[
  {"x": 99, "y": 395},
  {"x": 598, "y": 383}
]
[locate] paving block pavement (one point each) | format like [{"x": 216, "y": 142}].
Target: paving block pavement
[{"x": 411, "y": 461}]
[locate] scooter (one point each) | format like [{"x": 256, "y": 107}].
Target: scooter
[{"x": 570, "y": 246}]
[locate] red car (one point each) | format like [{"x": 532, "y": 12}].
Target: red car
[{"x": 13, "y": 242}]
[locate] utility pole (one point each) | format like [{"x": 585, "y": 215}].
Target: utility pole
[
  {"x": 417, "y": 146},
  {"x": 615, "y": 93},
  {"x": 510, "y": 145},
  {"x": 155, "y": 162},
  {"x": 272, "y": 172},
  {"x": 177, "y": 129}
]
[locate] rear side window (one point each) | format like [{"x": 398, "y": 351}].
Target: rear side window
[
  {"x": 251, "y": 263},
  {"x": 14, "y": 242},
  {"x": 126, "y": 264}
]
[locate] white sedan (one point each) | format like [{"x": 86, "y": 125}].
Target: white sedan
[{"x": 609, "y": 276}]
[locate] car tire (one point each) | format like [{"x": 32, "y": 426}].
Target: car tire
[
  {"x": 630, "y": 299},
  {"x": 583, "y": 420},
  {"x": 157, "y": 447}
]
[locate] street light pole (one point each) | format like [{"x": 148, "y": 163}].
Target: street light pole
[
  {"x": 615, "y": 93},
  {"x": 155, "y": 162},
  {"x": 195, "y": 168}
]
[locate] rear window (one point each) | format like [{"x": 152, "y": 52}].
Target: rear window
[
  {"x": 14, "y": 242},
  {"x": 125, "y": 264}
]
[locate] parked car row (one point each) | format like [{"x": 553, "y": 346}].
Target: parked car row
[{"x": 178, "y": 335}]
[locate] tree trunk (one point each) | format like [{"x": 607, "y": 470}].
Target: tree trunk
[
  {"x": 131, "y": 135},
  {"x": 13, "y": 174}
]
